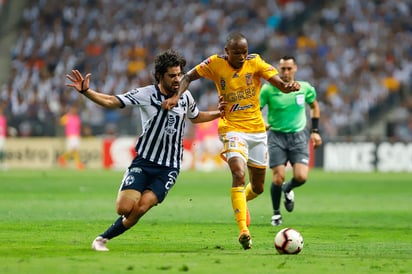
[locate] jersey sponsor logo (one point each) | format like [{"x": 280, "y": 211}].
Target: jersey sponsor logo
[
  {"x": 170, "y": 128},
  {"x": 240, "y": 95},
  {"x": 237, "y": 107}
]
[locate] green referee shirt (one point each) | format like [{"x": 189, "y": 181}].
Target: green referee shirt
[{"x": 287, "y": 111}]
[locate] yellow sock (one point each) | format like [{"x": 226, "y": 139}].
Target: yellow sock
[
  {"x": 64, "y": 156},
  {"x": 239, "y": 206},
  {"x": 249, "y": 193},
  {"x": 76, "y": 156}
]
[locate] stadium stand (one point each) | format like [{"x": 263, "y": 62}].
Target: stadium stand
[{"x": 350, "y": 50}]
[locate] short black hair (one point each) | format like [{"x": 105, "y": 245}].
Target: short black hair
[
  {"x": 289, "y": 57},
  {"x": 167, "y": 59},
  {"x": 234, "y": 36}
]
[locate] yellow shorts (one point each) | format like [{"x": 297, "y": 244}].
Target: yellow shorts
[{"x": 251, "y": 147}]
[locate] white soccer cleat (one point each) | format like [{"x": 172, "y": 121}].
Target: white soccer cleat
[
  {"x": 277, "y": 220},
  {"x": 99, "y": 244}
]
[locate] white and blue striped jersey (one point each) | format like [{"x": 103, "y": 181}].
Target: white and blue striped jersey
[{"x": 160, "y": 131}]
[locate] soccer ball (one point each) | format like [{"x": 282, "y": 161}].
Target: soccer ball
[{"x": 288, "y": 241}]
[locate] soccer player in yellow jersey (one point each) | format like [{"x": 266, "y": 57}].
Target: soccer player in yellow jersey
[{"x": 237, "y": 76}]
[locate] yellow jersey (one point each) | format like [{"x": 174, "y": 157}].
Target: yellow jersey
[{"x": 240, "y": 89}]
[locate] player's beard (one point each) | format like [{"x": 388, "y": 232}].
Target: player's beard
[{"x": 171, "y": 90}]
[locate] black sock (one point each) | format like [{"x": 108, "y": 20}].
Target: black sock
[
  {"x": 291, "y": 185},
  {"x": 275, "y": 193},
  {"x": 115, "y": 229}
]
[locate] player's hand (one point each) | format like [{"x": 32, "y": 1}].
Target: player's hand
[
  {"x": 222, "y": 106},
  {"x": 292, "y": 86},
  {"x": 170, "y": 103},
  {"x": 316, "y": 139},
  {"x": 78, "y": 82}
]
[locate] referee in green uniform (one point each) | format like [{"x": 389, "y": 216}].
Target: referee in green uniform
[{"x": 287, "y": 134}]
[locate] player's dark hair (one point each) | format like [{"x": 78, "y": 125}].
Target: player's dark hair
[
  {"x": 234, "y": 36},
  {"x": 289, "y": 57},
  {"x": 167, "y": 59}
]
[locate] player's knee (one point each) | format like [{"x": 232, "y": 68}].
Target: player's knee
[
  {"x": 134, "y": 216},
  {"x": 258, "y": 189},
  {"x": 278, "y": 182},
  {"x": 124, "y": 208},
  {"x": 238, "y": 176},
  {"x": 301, "y": 179},
  {"x": 278, "y": 179},
  {"x": 130, "y": 221}
]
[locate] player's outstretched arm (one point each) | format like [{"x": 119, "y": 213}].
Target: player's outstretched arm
[
  {"x": 283, "y": 86},
  {"x": 82, "y": 85}
]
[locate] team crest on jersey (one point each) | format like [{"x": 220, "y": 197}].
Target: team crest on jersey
[
  {"x": 248, "y": 77},
  {"x": 222, "y": 83},
  {"x": 182, "y": 103}
]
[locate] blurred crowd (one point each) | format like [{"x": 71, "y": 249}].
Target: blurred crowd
[
  {"x": 2, "y": 3},
  {"x": 356, "y": 53},
  {"x": 361, "y": 56}
]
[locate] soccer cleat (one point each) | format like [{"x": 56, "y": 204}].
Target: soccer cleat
[
  {"x": 289, "y": 200},
  {"x": 80, "y": 166},
  {"x": 99, "y": 244},
  {"x": 245, "y": 239},
  {"x": 247, "y": 217},
  {"x": 61, "y": 161},
  {"x": 277, "y": 220}
]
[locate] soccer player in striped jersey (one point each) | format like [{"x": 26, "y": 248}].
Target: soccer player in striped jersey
[
  {"x": 154, "y": 170},
  {"x": 287, "y": 135},
  {"x": 237, "y": 75}
]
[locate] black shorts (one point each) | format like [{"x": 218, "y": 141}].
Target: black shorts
[
  {"x": 284, "y": 147},
  {"x": 142, "y": 175}
]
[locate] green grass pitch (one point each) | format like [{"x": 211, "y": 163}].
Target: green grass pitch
[{"x": 350, "y": 222}]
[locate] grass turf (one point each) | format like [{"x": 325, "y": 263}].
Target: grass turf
[{"x": 351, "y": 223}]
